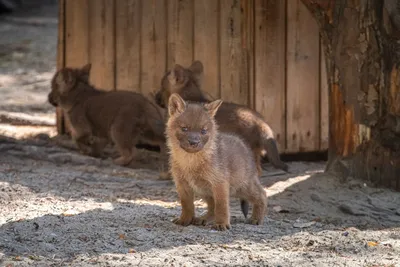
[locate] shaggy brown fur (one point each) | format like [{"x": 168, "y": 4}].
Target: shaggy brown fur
[
  {"x": 98, "y": 117},
  {"x": 210, "y": 164},
  {"x": 231, "y": 117}
]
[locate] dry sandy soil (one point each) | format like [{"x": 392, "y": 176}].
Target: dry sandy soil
[{"x": 59, "y": 208}]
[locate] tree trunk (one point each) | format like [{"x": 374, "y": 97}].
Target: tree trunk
[{"x": 362, "y": 47}]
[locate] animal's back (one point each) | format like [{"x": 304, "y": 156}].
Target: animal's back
[
  {"x": 251, "y": 126},
  {"x": 104, "y": 108},
  {"x": 236, "y": 158},
  {"x": 240, "y": 120}
]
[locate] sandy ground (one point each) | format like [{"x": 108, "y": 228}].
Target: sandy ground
[{"x": 60, "y": 208}]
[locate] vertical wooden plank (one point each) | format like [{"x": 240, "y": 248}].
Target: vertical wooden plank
[
  {"x": 230, "y": 48},
  {"x": 302, "y": 79},
  {"x": 128, "y": 27},
  {"x": 102, "y": 43},
  {"x": 180, "y": 32},
  {"x": 324, "y": 102},
  {"x": 206, "y": 45},
  {"x": 60, "y": 59},
  {"x": 270, "y": 64},
  {"x": 77, "y": 32},
  {"x": 154, "y": 44},
  {"x": 248, "y": 33},
  {"x": 76, "y": 37},
  {"x": 61, "y": 35}
]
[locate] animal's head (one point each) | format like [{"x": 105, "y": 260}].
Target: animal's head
[
  {"x": 179, "y": 79},
  {"x": 191, "y": 126},
  {"x": 64, "y": 81}
]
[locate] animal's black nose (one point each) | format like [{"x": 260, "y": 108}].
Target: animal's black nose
[{"x": 194, "y": 143}]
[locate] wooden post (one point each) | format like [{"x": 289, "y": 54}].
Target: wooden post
[{"x": 362, "y": 61}]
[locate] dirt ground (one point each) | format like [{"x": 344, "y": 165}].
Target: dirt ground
[{"x": 60, "y": 208}]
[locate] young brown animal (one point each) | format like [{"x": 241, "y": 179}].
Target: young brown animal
[
  {"x": 231, "y": 117},
  {"x": 98, "y": 117},
  {"x": 211, "y": 164}
]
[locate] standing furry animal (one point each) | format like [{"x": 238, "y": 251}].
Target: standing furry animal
[
  {"x": 211, "y": 164},
  {"x": 231, "y": 117},
  {"x": 98, "y": 117}
]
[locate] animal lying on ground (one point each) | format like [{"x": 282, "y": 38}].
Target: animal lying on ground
[
  {"x": 98, "y": 117},
  {"x": 231, "y": 118},
  {"x": 212, "y": 164}
]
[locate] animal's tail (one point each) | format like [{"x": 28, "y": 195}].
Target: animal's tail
[
  {"x": 272, "y": 148},
  {"x": 244, "y": 206}
]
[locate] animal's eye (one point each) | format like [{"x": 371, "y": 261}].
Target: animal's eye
[
  {"x": 203, "y": 131},
  {"x": 184, "y": 129}
]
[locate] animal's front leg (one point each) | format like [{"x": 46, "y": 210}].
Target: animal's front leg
[
  {"x": 221, "y": 198},
  {"x": 186, "y": 196},
  {"x": 84, "y": 143},
  {"x": 98, "y": 144},
  {"x": 80, "y": 132}
]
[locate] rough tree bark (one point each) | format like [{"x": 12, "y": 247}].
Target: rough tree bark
[{"x": 362, "y": 47}]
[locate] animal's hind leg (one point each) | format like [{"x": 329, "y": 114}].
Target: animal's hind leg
[
  {"x": 124, "y": 136},
  {"x": 209, "y": 216},
  {"x": 257, "y": 158},
  {"x": 258, "y": 197}
]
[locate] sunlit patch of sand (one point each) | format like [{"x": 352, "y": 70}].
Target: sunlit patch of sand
[{"x": 21, "y": 132}]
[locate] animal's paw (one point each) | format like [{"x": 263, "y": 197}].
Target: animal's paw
[
  {"x": 96, "y": 154},
  {"x": 83, "y": 149},
  {"x": 86, "y": 152},
  {"x": 102, "y": 156},
  {"x": 165, "y": 176},
  {"x": 200, "y": 221},
  {"x": 122, "y": 161},
  {"x": 254, "y": 221},
  {"x": 221, "y": 226},
  {"x": 184, "y": 221}
]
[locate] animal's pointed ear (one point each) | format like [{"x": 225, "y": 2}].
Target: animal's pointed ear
[
  {"x": 84, "y": 72},
  {"x": 86, "y": 69},
  {"x": 213, "y": 107},
  {"x": 65, "y": 80},
  {"x": 176, "y": 105},
  {"x": 177, "y": 75},
  {"x": 61, "y": 82},
  {"x": 197, "y": 70},
  {"x": 197, "y": 67}
]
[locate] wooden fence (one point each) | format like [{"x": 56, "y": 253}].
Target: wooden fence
[{"x": 262, "y": 53}]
